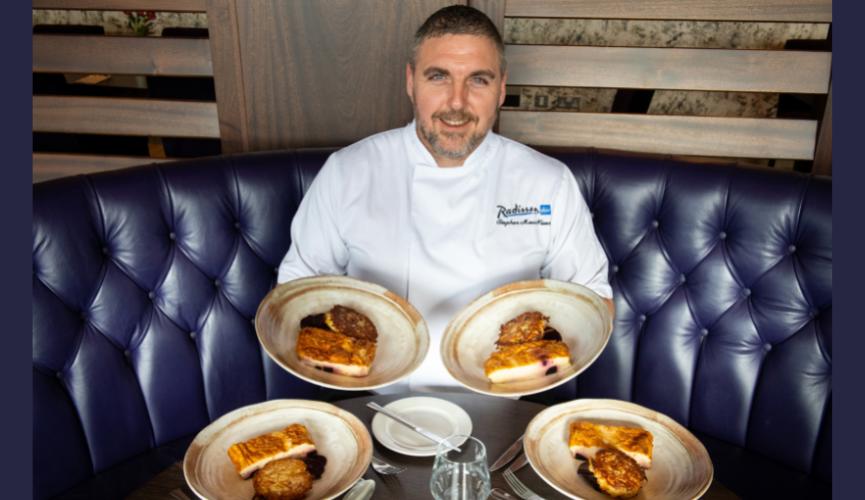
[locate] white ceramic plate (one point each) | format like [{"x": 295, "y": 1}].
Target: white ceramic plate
[
  {"x": 338, "y": 435},
  {"x": 579, "y": 314},
  {"x": 437, "y": 415},
  {"x": 681, "y": 467},
  {"x": 402, "y": 344}
]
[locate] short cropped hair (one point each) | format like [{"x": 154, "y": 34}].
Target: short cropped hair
[{"x": 458, "y": 20}]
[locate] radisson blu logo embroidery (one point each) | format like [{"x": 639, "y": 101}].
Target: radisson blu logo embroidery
[{"x": 519, "y": 215}]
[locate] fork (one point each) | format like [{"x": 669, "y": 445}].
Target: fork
[
  {"x": 519, "y": 488},
  {"x": 385, "y": 468}
]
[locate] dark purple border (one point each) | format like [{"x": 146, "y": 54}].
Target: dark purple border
[
  {"x": 847, "y": 212},
  {"x": 848, "y": 187},
  {"x": 16, "y": 82}
]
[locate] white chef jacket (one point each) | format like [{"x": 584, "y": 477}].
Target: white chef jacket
[{"x": 381, "y": 210}]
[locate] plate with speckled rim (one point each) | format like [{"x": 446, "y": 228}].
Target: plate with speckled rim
[
  {"x": 681, "y": 467},
  {"x": 338, "y": 435},
  {"x": 403, "y": 339},
  {"x": 580, "y": 315}
]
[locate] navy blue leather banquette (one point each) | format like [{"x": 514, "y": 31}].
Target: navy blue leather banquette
[{"x": 146, "y": 282}]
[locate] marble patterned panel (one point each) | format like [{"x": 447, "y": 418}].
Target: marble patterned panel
[
  {"x": 647, "y": 33},
  {"x": 115, "y": 22}
]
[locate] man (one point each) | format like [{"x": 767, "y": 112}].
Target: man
[{"x": 444, "y": 210}]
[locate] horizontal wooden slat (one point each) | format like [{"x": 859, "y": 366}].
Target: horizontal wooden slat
[
  {"x": 670, "y": 68},
  {"x": 122, "y": 55},
  {"x": 155, "y": 5},
  {"x": 677, "y": 135},
  {"x": 125, "y": 116},
  {"x": 709, "y": 10},
  {"x": 53, "y": 165}
]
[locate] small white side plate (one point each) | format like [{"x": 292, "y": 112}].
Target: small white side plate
[{"x": 436, "y": 415}]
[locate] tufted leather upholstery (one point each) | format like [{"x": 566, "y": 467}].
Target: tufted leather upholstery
[{"x": 145, "y": 282}]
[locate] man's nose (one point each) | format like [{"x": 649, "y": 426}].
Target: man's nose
[{"x": 458, "y": 95}]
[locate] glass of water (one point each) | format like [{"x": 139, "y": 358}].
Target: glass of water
[{"x": 463, "y": 474}]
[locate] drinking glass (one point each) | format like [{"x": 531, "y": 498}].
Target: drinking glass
[{"x": 460, "y": 475}]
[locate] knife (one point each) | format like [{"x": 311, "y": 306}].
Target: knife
[
  {"x": 508, "y": 455},
  {"x": 519, "y": 463},
  {"x": 432, "y": 436}
]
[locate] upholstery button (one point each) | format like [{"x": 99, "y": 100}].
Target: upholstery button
[
  {"x": 655, "y": 223},
  {"x": 682, "y": 279},
  {"x": 217, "y": 283},
  {"x": 767, "y": 347},
  {"x": 642, "y": 318},
  {"x": 83, "y": 316},
  {"x": 704, "y": 332},
  {"x": 236, "y": 224},
  {"x": 723, "y": 235},
  {"x": 192, "y": 335},
  {"x": 791, "y": 248},
  {"x": 747, "y": 292},
  {"x": 126, "y": 353},
  {"x": 59, "y": 374},
  {"x": 104, "y": 250},
  {"x": 814, "y": 313},
  {"x": 615, "y": 268},
  {"x": 151, "y": 295},
  {"x": 172, "y": 236}
]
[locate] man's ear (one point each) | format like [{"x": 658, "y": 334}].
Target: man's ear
[
  {"x": 503, "y": 89},
  {"x": 409, "y": 82}
]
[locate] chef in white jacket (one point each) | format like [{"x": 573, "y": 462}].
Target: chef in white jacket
[{"x": 444, "y": 210}]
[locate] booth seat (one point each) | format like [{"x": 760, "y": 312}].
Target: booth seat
[{"x": 146, "y": 282}]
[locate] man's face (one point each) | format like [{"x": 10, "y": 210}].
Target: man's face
[{"x": 456, "y": 89}]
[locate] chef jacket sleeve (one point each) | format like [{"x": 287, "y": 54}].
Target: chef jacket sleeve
[
  {"x": 317, "y": 246},
  {"x": 575, "y": 254}
]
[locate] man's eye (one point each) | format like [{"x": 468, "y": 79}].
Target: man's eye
[
  {"x": 436, "y": 77},
  {"x": 480, "y": 81}
]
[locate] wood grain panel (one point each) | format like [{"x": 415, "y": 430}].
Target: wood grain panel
[
  {"x": 122, "y": 55},
  {"x": 48, "y": 166},
  {"x": 710, "y": 10},
  {"x": 155, "y": 5},
  {"x": 670, "y": 68},
  {"x": 823, "y": 155},
  {"x": 678, "y": 135},
  {"x": 125, "y": 116},
  {"x": 325, "y": 73},
  {"x": 228, "y": 76}
]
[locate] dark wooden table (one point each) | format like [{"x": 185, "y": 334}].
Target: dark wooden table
[{"x": 495, "y": 421}]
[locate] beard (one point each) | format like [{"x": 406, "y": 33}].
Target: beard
[{"x": 465, "y": 143}]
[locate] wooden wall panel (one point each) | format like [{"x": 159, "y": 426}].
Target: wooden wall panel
[
  {"x": 670, "y": 68},
  {"x": 315, "y": 73},
  {"x": 48, "y": 166},
  {"x": 714, "y": 10},
  {"x": 154, "y": 5},
  {"x": 677, "y": 135},
  {"x": 123, "y": 55},
  {"x": 125, "y": 116}
]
